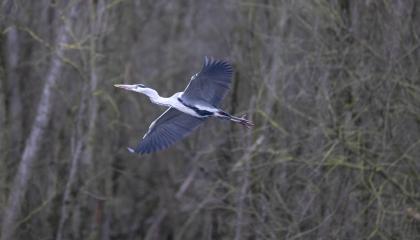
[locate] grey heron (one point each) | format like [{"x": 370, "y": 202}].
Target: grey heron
[{"x": 188, "y": 109}]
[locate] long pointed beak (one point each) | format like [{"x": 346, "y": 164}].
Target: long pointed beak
[{"x": 125, "y": 86}]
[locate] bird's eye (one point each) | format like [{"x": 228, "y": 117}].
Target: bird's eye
[{"x": 141, "y": 85}]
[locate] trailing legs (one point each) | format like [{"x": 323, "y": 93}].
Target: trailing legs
[{"x": 241, "y": 120}]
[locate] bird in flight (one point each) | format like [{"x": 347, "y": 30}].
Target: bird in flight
[{"x": 187, "y": 109}]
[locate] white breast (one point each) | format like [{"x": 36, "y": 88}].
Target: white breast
[{"x": 175, "y": 103}]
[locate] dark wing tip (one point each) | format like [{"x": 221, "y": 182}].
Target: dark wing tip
[
  {"x": 211, "y": 63},
  {"x": 144, "y": 149},
  {"x": 211, "y": 60},
  {"x": 152, "y": 145}
]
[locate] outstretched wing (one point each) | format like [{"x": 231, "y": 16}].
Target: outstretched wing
[
  {"x": 211, "y": 83},
  {"x": 170, "y": 127}
]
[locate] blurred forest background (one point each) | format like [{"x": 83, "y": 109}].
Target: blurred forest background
[{"x": 332, "y": 85}]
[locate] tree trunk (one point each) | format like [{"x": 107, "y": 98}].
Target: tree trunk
[
  {"x": 97, "y": 12},
  {"x": 78, "y": 139},
  {"x": 96, "y": 19},
  {"x": 15, "y": 109},
  {"x": 33, "y": 143},
  {"x": 2, "y": 136}
]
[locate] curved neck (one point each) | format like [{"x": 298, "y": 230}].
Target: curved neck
[{"x": 154, "y": 96}]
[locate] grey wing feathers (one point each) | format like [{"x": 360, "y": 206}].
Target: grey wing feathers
[
  {"x": 211, "y": 83},
  {"x": 170, "y": 127}
]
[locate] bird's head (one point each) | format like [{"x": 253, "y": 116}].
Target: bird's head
[{"x": 133, "y": 87}]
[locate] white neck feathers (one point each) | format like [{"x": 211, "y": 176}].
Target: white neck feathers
[{"x": 154, "y": 96}]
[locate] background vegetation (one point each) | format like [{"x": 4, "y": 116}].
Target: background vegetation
[{"x": 332, "y": 85}]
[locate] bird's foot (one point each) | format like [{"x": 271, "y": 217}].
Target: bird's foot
[{"x": 245, "y": 122}]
